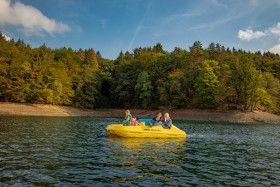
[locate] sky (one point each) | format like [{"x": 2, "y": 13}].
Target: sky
[{"x": 112, "y": 26}]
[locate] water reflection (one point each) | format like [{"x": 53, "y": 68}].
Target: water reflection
[{"x": 148, "y": 157}]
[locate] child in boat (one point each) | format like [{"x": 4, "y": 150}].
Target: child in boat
[
  {"x": 134, "y": 122},
  {"x": 127, "y": 118}
]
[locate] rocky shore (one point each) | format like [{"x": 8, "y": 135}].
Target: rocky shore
[{"x": 233, "y": 116}]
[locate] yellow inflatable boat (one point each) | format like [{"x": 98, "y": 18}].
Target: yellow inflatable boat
[{"x": 146, "y": 131}]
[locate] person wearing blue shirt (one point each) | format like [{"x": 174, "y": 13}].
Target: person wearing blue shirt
[
  {"x": 127, "y": 119},
  {"x": 166, "y": 123},
  {"x": 156, "y": 120}
]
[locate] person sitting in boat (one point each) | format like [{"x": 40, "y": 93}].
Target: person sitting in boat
[
  {"x": 156, "y": 120},
  {"x": 127, "y": 118},
  {"x": 166, "y": 123},
  {"x": 134, "y": 122}
]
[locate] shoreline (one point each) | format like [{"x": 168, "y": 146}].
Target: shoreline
[{"x": 231, "y": 116}]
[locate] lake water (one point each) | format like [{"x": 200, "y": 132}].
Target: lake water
[{"x": 78, "y": 151}]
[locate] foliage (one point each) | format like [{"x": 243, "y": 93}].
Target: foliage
[
  {"x": 248, "y": 83},
  {"x": 178, "y": 88},
  {"x": 143, "y": 89},
  {"x": 205, "y": 85},
  {"x": 149, "y": 77}
]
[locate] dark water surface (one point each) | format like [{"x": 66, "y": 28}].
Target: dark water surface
[{"x": 77, "y": 151}]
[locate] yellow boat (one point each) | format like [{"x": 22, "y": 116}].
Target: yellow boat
[{"x": 146, "y": 131}]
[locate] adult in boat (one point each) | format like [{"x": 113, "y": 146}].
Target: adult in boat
[
  {"x": 127, "y": 118},
  {"x": 166, "y": 123},
  {"x": 156, "y": 120}
]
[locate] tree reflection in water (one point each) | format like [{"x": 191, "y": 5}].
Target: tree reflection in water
[{"x": 148, "y": 157}]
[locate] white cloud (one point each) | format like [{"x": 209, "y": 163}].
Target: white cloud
[
  {"x": 276, "y": 29},
  {"x": 269, "y": 33},
  {"x": 31, "y": 19},
  {"x": 275, "y": 49},
  {"x": 248, "y": 34},
  {"x": 7, "y": 38}
]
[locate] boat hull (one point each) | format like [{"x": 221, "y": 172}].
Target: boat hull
[{"x": 145, "y": 131}]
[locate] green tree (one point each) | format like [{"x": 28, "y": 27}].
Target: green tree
[
  {"x": 143, "y": 89},
  {"x": 224, "y": 92},
  {"x": 246, "y": 80},
  {"x": 122, "y": 91},
  {"x": 86, "y": 90},
  {"x": 205, "y": 86},
  {"x": 158, "y": 48},
  {"x": 148, "y": 77},
  {"x": 272, "y": 87},
  {"x": 57, "y": 92},
  {"x": 178, "y": 88}
]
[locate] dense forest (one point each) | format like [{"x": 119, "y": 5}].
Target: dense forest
[{"x": 150, "y": 77}]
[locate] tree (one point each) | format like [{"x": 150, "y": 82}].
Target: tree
[
  {"x": 58, "y": 89},
  {"x": 212, "y": 55},
  {"x": 81, "y": 55},
  {"x": 246, "y": 80},
  {"x": 143, "y": 89},
  {"x": 158, "y": 48},
  {"x": 122, "y": 91},
  {"x": 86, "y": 91},
  {"x": 272, "y": 87},
  {"x": 94, "y": 58},
  {"x": 148, "y": 77},
  {"x": 205, "y": 86},
  {"x": 224, "y": 92},
  {"x": 178, "y": 88}
]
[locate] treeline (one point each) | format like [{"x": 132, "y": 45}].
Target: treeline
[{"x": 214, "y": 77}]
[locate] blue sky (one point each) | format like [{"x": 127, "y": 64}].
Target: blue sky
[{"x": 110, "y": 26}]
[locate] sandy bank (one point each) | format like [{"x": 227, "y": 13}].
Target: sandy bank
[{"x": 18, "y": 109}]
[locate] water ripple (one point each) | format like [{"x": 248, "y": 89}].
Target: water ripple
[{"x": 59, "y": 151}]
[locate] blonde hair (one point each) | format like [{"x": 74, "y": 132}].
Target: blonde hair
[
  {"x": 167, "y": 115},
  {"x": 127, "y": 111}
]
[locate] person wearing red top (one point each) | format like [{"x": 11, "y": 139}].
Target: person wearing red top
[{"x": 134, "y": 122}]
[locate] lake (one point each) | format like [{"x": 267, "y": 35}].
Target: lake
[{"x": 78, "y": 151}]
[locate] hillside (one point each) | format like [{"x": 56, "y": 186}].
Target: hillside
[{"x": 149, "y": 77}]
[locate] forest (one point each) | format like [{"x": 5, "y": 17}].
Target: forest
[{"x": 151, "y": 78}]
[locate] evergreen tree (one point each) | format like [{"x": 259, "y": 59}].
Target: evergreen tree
[
  {"x": 143, "y": 89},
  {"x": 158, "y": 48}
]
